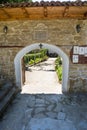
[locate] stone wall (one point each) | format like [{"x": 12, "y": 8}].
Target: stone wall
[{"x": 61, "y": 33}]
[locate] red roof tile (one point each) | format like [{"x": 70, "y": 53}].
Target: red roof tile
[{"x": 42, "y": 3}]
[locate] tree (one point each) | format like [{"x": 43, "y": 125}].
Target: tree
[{"x": 13, "y": 1}]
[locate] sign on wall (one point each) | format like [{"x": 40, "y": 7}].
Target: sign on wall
[{"x": 78, "y": 54}]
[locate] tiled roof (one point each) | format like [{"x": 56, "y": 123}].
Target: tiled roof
[{"x": 42, "y": 3}]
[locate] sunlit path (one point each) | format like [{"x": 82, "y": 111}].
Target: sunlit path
[{"x": 42, "y": 78}]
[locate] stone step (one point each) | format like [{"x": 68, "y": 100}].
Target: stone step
[
  {"x": 6, "y": 100},
  {"x": 4, "y": 90}
]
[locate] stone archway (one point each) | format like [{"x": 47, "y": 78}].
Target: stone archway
[{"x": 51, "y": 48}]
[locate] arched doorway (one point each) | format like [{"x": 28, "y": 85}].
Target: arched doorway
[{"x": 52, "y": 49}]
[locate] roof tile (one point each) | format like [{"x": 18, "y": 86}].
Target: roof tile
[{"x": 43, "y": 3}]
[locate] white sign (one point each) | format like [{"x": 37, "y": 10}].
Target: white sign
[
  {"x": 76, "y": 50},
  {"x": 75, "y": 58},
  {"x": 85, "y": 50},
  {"x": 81, "y": 50}
]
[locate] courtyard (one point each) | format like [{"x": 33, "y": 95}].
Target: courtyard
[
  {"x": 43, "y": 103},
  {"x": 42, "y": 106}
]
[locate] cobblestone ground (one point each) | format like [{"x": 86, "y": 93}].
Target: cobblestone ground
[{"x": 46, "y": 112}]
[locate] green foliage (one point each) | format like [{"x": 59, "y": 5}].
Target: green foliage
[
  {"x": 45, "y": 58},
  {"x": 31, "y": 62},
  {"x": 58, "y": 61},
  {"x": 59, "y": 73},
  {"x": 14, "y": 1},
  {"x": 35, "y": 56},
  {"x": 58, "y": 68},
  {"x": 37, "y": 60}
]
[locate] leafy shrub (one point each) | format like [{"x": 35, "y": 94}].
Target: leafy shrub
[
  {"x": 31, "y": 62},
  {"x": 37, "y": 60},
  {"x": 59, "y": 73},
  {"x": 34, "y": 54},
  {"x": 58, "y": 61},
  {"x": 44, "y": 58},
  {"x": 58, "y": 68}
]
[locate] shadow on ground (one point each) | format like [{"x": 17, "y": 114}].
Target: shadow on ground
[{"x": 46, "y": 112}]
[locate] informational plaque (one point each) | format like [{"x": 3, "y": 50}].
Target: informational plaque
[
  {"x": 85, "y": 50},
  {"x": 75, "y": 58},
  {"x": 40, "y": 32},
  {"x": 81, "y": 50},
  {"x": 76, "y": 50},
  {"x": 79, "y": 54},
  {"x": 40, "y": 35}
]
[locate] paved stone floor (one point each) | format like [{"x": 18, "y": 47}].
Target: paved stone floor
[{"x": 46, "y": 112}]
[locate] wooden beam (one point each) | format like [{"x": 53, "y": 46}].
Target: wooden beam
[
  {"x": 45, "y": 12},
  {"x": 41, "y": 13},
  {"x": 85, "y": 14},
  {"x": 66, "y": 11},
  {"x": 25, "y": 12},
  {"x": 5, "y": 12}
]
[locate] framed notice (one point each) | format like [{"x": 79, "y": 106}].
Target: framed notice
[
  {"x": 85, "y": 50},
  {"x": 76, "y": 50},
  {"x": 78, "y": 54},
  {"x": 75, "y": 58},
  {"x": 81, "y": 50}
]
